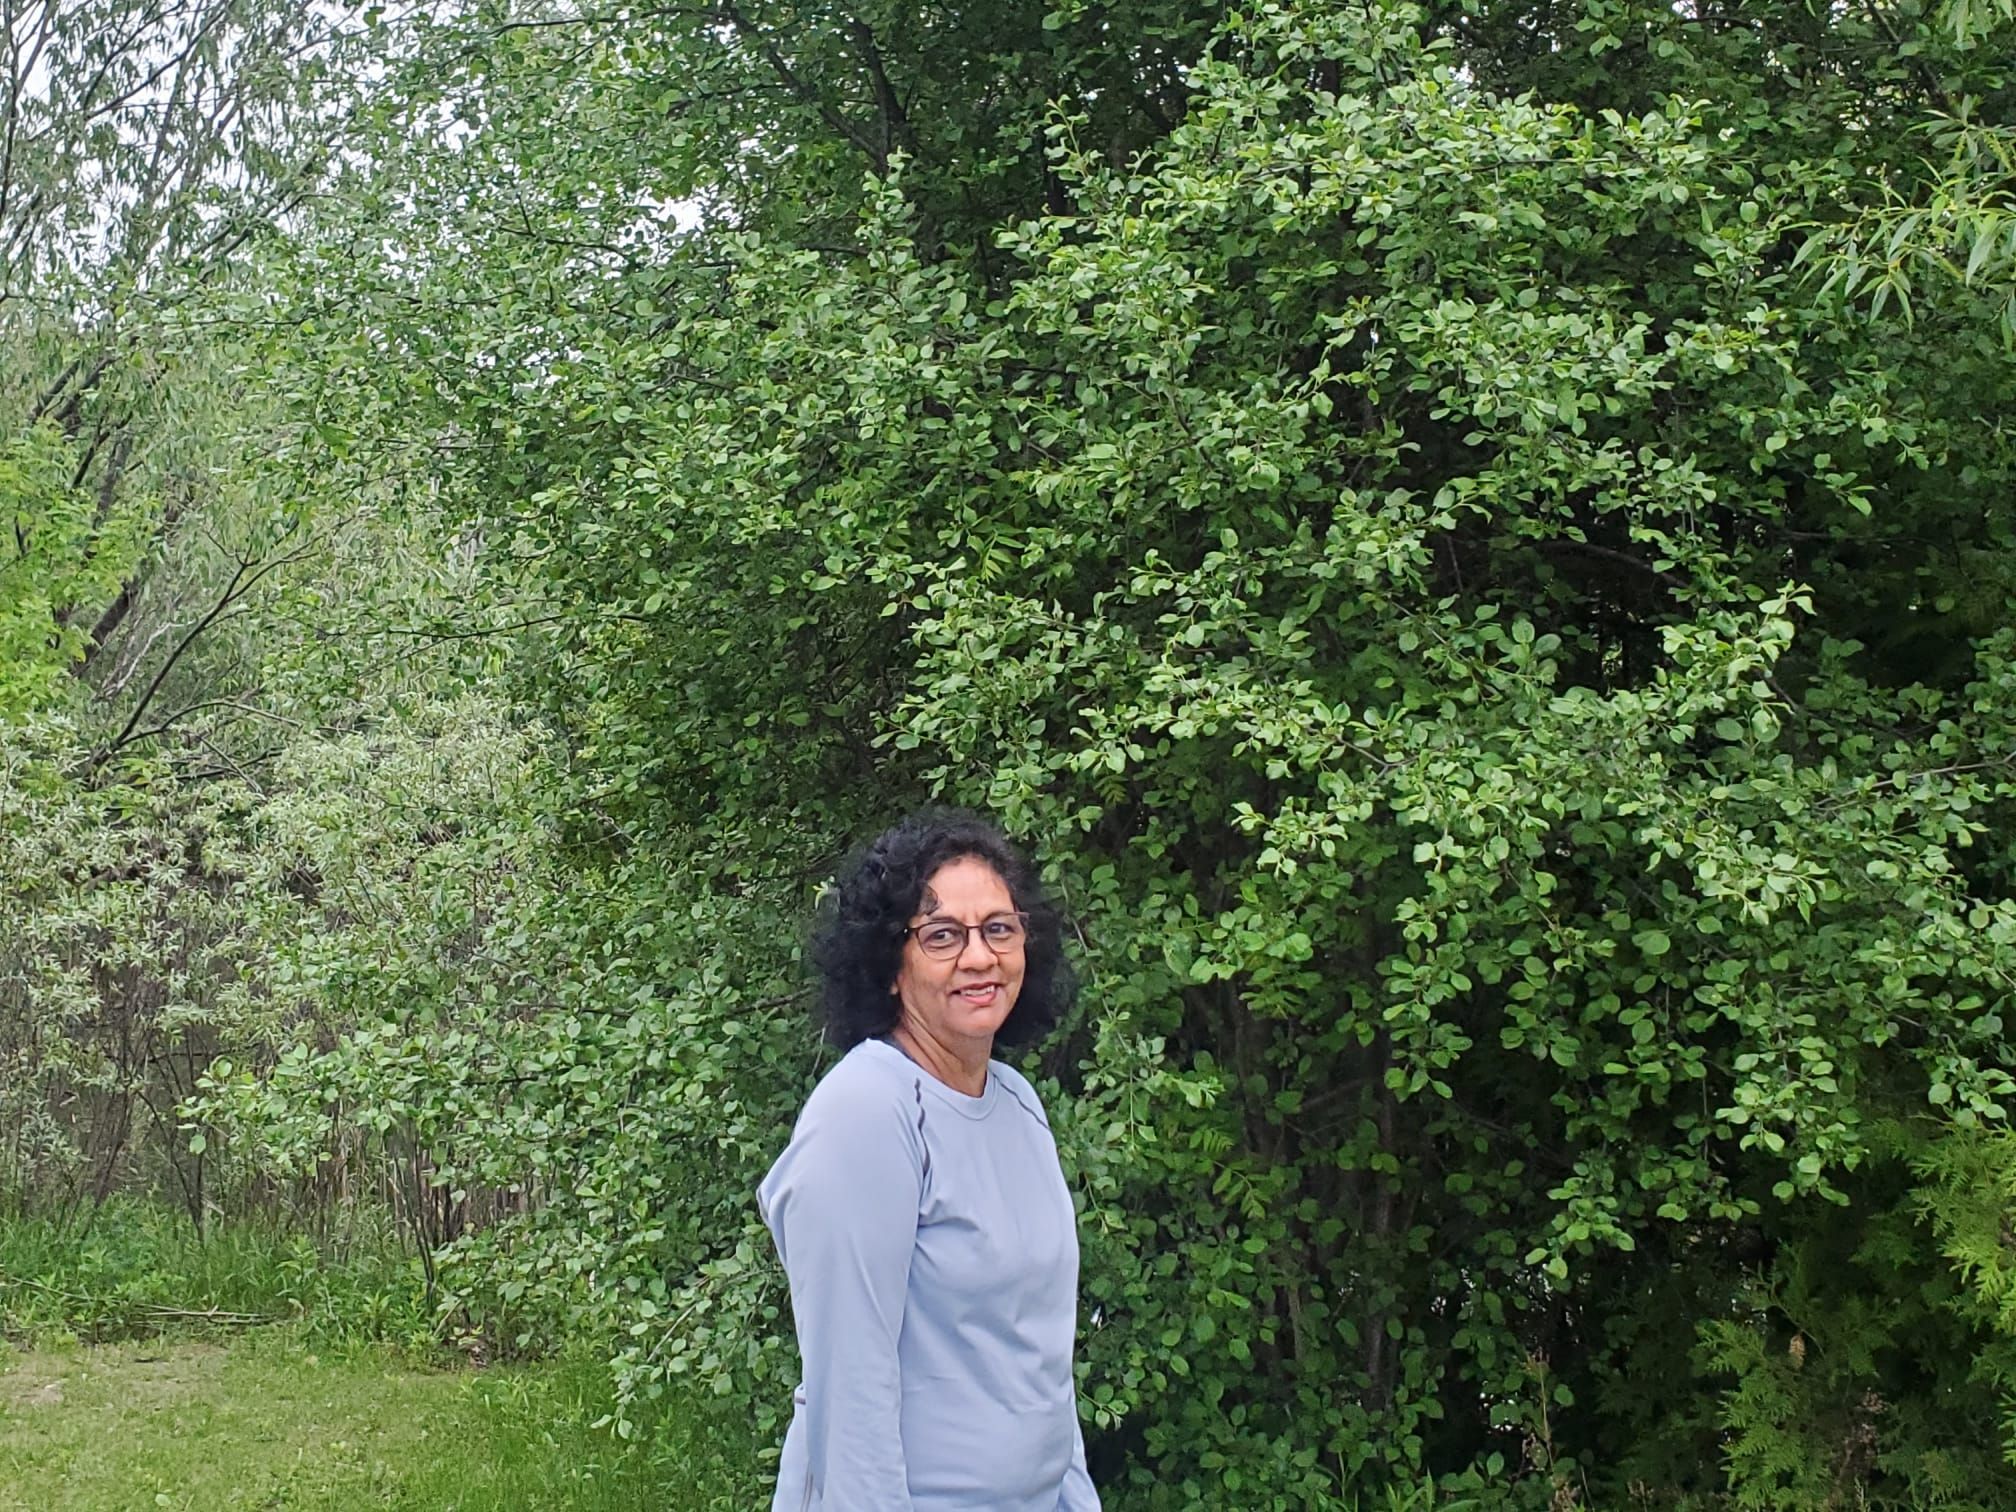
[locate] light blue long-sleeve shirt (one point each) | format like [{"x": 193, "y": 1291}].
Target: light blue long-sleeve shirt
[{"x": 933, "y": 1258}]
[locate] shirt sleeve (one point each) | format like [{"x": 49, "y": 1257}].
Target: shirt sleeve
[
  {"x": 842, "y": 1205},
  {"x": 1079, "y": 1495}
]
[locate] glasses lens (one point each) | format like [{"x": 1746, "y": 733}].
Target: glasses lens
[
  {"x": 941, "y": 939},
  {"x": 1002, "y": 931}
]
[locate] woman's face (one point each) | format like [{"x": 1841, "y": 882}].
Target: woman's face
[{"x": 962, "y": 999}]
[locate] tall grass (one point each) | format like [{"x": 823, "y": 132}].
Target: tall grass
[{"x": 129, "y": 1268}]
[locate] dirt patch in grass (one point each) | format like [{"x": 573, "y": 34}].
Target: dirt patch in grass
[{"x": 148, "y": 1377}]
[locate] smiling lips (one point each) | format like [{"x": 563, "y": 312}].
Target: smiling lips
[{"x": 979, "y": 995}]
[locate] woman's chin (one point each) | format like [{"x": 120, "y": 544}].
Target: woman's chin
[{"x": 980, "y": 1021}]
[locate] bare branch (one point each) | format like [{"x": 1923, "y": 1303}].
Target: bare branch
[{"x": 247, "y": 577}]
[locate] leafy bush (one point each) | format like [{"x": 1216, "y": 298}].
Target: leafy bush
[{"x": 1509, "y": 671}]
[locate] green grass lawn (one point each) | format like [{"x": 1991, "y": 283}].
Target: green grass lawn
[{"x": 267, "y": 1421}]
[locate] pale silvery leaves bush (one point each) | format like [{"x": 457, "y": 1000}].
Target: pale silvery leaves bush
[{"x": 188, "y": 921}]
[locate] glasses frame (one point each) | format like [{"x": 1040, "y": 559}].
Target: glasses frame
[{"x": 966, "y": 939}]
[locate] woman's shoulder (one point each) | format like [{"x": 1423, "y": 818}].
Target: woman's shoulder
[
  {"x": 855, "y": 1120},
  {"x": 852, "y": 1134},
  {"x": 869, "y": 1076}
]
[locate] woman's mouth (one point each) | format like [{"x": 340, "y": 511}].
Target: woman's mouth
[{"x": 980, "y": 995}]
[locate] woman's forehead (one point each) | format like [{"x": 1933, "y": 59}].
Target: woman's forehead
[{"x": 966, "y": 883}]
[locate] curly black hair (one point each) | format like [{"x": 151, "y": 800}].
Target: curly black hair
[{"x": 857, "y": 944}]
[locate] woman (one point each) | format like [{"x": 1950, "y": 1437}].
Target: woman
[{"x": 919, "y": 1208}]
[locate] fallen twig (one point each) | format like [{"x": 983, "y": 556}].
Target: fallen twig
[{"x": 148, "y": 1311}]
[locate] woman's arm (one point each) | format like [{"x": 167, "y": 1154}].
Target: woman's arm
[
  {"x": 842, "y": 1203},
  {"x": 1079, "y": 1494}
]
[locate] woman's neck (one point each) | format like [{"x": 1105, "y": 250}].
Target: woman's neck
[{"x": 962, "y": 1072}]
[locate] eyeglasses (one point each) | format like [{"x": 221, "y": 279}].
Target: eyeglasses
[{"x": 942, "y": 939}]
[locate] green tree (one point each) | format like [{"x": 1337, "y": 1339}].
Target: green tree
[{"x": 1508, "y": 663}]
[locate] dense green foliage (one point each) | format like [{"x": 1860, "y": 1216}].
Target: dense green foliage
[{"x": 1474, "y": 544}]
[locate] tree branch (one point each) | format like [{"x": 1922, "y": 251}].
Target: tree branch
[
  {"x": 243, "y": 581},
  {"x": 865, "y": 144}
]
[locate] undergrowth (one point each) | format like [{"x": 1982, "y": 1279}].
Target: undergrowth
[{"x": 127, "y": 1269}]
